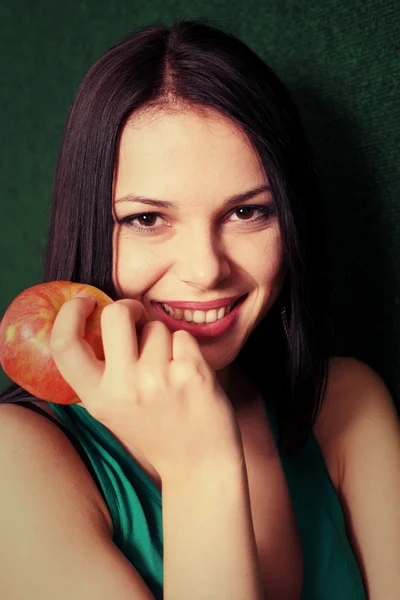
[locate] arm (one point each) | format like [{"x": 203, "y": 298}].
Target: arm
[
  {"x": 54, "y": 539},
  {"x": 368, "y": 429},
  {"x": 52, "y": 528},
  {"x": 209, "y": 543}
]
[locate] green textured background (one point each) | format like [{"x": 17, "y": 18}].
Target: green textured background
[{"x": 340, "y": 60}]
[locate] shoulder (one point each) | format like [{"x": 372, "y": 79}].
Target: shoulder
[
  {"x": 347, "y": 374},
  {"x": 31, "y": 442},
  {"x": 354, "y": 393},
  {"x": 359, "y": 433},
  {"x": 357, "y": 402},
  {"x": 56, "y": 536}
]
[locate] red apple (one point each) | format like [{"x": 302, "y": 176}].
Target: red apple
[{"x": 25, "y": 330}]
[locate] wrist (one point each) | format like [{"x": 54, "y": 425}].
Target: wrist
[{"x": 222, "y": 470}]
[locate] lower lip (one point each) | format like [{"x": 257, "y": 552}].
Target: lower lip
[{"x": 208, "y": 330}]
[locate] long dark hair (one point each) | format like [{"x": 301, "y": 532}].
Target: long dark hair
[{"x": 196, "y": 64}]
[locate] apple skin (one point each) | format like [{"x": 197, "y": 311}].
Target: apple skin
[{"x": 25, "y": 330}]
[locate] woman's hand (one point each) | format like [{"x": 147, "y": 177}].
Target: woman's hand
[{"x": 158, "y": 394}]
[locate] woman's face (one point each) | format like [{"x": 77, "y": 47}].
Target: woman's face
[{"x": 201, "y": 250}]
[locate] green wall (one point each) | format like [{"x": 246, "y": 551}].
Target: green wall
[{"x": 341, "y": 62}]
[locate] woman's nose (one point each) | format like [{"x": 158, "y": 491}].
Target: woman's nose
[{"x": 202, "y": 263}]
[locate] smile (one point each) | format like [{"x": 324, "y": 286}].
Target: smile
[
  {"x": 198, "y": 316},
  {"x": 201, "y": 324}
]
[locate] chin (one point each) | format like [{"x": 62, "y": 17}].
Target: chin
[{"x": 217, "y": 356}]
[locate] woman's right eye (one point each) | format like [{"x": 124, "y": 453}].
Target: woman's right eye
[{"x": 129, "y": 221}]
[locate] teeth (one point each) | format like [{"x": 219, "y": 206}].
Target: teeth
[{"x": 197, "y": 316}]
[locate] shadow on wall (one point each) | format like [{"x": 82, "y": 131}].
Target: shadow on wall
[{"x": 360, "y": 225}]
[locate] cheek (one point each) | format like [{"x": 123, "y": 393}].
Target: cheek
[
  {"x": 135, "y": 268},
  {"x": 263, "y": 260}
]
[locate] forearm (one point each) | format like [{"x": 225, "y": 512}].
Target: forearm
[{"x": 209, "y": 545}]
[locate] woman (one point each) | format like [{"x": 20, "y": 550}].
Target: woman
[{"x": 185, "y": 176}]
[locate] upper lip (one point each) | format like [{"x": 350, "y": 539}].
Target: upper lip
[{"x": 201, "y": 305}]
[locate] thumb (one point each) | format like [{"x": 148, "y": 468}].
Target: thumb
[{"x": 87, "y": 307}]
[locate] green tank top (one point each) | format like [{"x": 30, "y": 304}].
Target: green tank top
[{"x": 135, "y": 504}]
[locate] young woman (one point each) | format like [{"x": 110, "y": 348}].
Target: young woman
[{"x": 220, "y": 450}]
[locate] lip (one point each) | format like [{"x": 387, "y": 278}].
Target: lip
[
  {"x": 209, "y": 330},
  {"x": 204, "y": 306}
]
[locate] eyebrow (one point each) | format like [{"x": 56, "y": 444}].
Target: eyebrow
[{"x": 232, "y": 201}]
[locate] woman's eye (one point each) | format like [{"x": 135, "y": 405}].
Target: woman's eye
[
  {"x": 141, "y": 222},
  {"x": 247, "y": 211},
  {"x": 145, "y": 222},
  {"x": 147, "y": 219}
]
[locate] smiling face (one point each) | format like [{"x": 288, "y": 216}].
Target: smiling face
[{"x": 200, "y": 250}]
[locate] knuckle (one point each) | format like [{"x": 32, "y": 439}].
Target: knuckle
[
  {"x": 59, "y": 343},
  {"x": 152, "y": 382},
  {"x": 183, "y": 372}
]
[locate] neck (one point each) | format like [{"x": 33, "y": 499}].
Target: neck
[{"x": 234, "y": 382}]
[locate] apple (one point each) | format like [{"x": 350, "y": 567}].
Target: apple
[{"x": 25, "y": 330}]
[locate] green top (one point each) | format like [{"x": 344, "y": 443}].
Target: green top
[{"x": 135, "y": 504}]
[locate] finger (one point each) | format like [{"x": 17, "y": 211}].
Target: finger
[
  {"x": 73, "y": 356},
  {"x": 119, "y": 323},
  {"x": 155, "y": 346},
  {"x": 185, "y": 347}
]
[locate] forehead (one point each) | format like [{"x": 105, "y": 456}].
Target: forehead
[{"x": 185, "y": 150}]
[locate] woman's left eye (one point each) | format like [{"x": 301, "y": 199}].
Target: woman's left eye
[{"x": 265, "y": 213}]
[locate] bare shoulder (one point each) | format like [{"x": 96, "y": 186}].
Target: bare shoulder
[
  {"x": 52, "y": 523},
  {"x": 359, "y": 434},
  {"x": 30, "y": 437},
  {"x": 356, "y": 395},
  {"x": 354, "y": 392}
]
